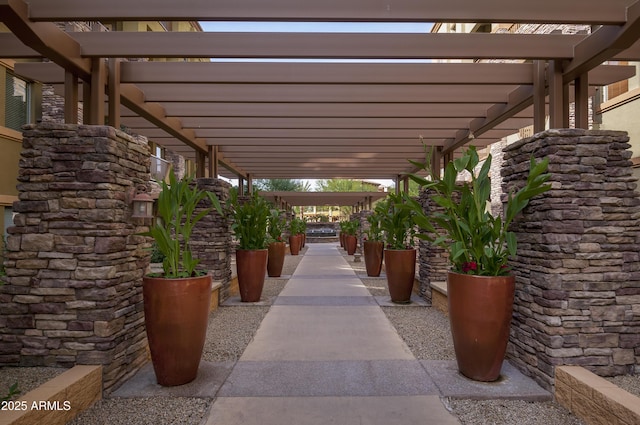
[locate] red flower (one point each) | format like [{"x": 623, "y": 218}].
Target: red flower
[{"x": 469, "y": 266}]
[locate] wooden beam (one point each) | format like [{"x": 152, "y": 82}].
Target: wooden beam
[
  {"x": 546, "y": 11},
  {"x": 604, "y": 44},
  {"x": 326, "y": 45},
  {"x": 44, "y": 37},
  {"x": 519, "y": 99}
]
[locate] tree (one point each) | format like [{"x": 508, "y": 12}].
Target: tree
[
  {"x": 345, "y": 185},
  {"x": 281, "y": 185}
]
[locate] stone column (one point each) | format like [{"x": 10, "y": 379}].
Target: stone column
[
  {"x": 211, "y": 237},
  {"x": 74, "y": 259},
  {"x": 577, "y": 268},
  {"x": 433, "y": 261}
]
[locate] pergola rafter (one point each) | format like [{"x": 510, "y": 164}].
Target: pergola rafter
[{"x": 325, "y": 118}]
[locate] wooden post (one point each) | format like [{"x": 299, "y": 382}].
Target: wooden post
[
  {"x": 70, "y": 98},
  {"x": 98, "y": 80},
  {"x": 114, "y": 92},
  {"x": 539, "y": 96},
  {"x": 582, "y": 101}
]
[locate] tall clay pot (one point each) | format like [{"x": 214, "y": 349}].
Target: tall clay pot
[
  {"x": 373, "y": 252},
  {"x": 341, "y": 239},
  {"x": 252, "y": 268},
  {"x": 176, "y": 313},
  {"x": 275, "y": 260},
  {"x": 350, "y": 244},
  {"x": 480, "y": 310},
  {"x": 400, "y": 266},
  {"x": 294, "y": 244}
]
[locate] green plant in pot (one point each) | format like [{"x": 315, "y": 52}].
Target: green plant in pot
[
  {"x": 277, "y": 246},
  {"x": 480, "y": 286},
  {"x": 176, "y": 301},
  {"x": 398, "y": 224},
  {"x": 373, "y": 245},
  {"x": 250, "y": 219},
  {"x": 295, "y": 238},
  {"x": 350, "y": 229}
]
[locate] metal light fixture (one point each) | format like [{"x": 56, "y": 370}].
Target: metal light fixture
[{"x": 142, "y": 203}]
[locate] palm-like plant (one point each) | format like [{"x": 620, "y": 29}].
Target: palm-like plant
[
  {"x": 250, "y": 220},
  {"x": 177, "y": 203},
  {"x": 478, "y": 242},
  {"x": 397, "y": 222},
  {"x": 275, "y": 226},
  {"x": 374, "y": 232}
]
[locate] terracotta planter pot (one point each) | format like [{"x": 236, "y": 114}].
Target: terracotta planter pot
[
  {"x": 373, "y": 252},
  {"x": 294, "y": 244},
  {"x": 350, "y": 243},
  {"x": 176, "y": 313},
  {"x": 341, "y": 238},
  {"x": 303, "y": 240},
  {"x": 400, "y": 266},
  {"x": 252, "y": 268},
  {"x": 480, "y": 310},
  {"x": 275, "y": 260}
]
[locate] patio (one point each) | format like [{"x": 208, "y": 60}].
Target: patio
[{"x": 74, "y": 259}]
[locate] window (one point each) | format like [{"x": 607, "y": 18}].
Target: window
[{"x": 17, "y": 102}]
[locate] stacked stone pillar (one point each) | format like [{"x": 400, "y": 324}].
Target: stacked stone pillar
[
  {"x": 211, "y": 236},
  {"x": 74, "y": 261},
  {"x": 433, "y": 261},
  {"x": 577, "y": 268}
]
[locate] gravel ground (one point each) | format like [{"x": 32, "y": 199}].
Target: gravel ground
[
  {"x": 28, "y": 378},
  {"x": 629, "y": 383},
  {"x": 510, "y": 412}
]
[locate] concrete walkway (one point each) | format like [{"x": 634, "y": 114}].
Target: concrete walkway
[{"x": 326, "y": 354}]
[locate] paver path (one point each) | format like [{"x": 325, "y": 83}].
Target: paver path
[{"x": 326, "y": 354}]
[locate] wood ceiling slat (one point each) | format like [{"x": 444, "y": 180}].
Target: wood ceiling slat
[
  {"x": 326, "y": 73},
  {"x": 326, "y": 45},
  {"x": 589, "y": 11},
  {"x": 305, "y": 93}
]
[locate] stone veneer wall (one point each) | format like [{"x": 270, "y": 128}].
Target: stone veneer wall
[
  {"x": 211, "y": 237},
  {"x": 361, "y": 217},
  {"x": 577, "y": 268},
  {"x": 74, "y": 260},
  {"x": 433, "y": 261}
]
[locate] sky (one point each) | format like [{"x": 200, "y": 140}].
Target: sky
[{"x": 351, "y": 27}]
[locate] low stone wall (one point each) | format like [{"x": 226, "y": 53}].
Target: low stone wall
[
  {"x": 74, "y": 259},
  {"x": 578, "y": 263},
  {"x": 594, "y": 399}
]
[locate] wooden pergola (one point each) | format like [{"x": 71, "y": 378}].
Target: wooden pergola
[{"x": 322, "y": 119}]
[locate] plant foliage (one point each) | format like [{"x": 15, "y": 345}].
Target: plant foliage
[
  {"x": 350, "y": 227},
  {"x": 297, "y": 226},
  {"x": 397, "y": 221},
  {"x": 478, "y": 243},
  {"x": 250, "y": 219},
  {"x": 374, "y": 232},
  {"x": 275, "y": 226},
  {"x": 13, "y": 391},
  {"x": 177, "y": 203}
]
